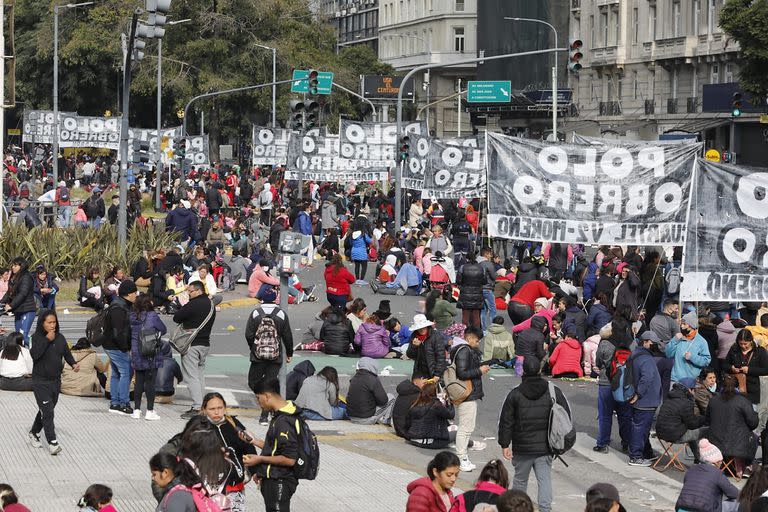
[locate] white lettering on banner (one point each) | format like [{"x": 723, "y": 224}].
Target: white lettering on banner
[
  {"x": 730, "y": 287},
  {"x": 751, "y": 195},
  {"x": 616, "y": 163}
]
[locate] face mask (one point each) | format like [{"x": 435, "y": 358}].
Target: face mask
[
  {"x": 265, "y": 269},
  {"x": 712, "y": 388},
  {"x": 686, "y": 331}
]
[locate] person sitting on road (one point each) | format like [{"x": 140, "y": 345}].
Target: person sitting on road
[
  {"x": 408, "y": 391},
  {"x": 531, "y": 343},
  {"x": 565, "y": 360},
  {"x": 498, "y": 342},
  {"x": 90, "y": 293},
  {"x": 203, "y": 274},
  {"x": 676, "y": 421},
  {"x": 426, "y": 424},
  {"x": 372, "y": 339},
  {"x": 91, "y": 378},
  {"x": 336, "y": 333},
  {"x": 15, "y": 364},
  {"x": 296, "y": 378},
  {"x": 9, "y": 502},
  {"x": 169, "y": 371},
  {"x": 357, "y": 310},
  {"x": 367, "y": 402},
  {"x": 492, "y": 483},
  {"x": 319, "y": 396},
  {"x": 705, "y": 485}
]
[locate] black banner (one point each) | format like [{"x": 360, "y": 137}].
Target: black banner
[
  {"x": 455, "y": 169},
  {"x": 416, "y": 164},
  {"x": 726, "y": 251},
  {"x": 632, "y": 194},
  {"x": 270, "y": 146}
]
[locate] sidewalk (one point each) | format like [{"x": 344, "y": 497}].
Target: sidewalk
[{"x": 99, "y": 447}]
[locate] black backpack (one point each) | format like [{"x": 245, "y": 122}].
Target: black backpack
[
  {"x": 308, "y": 460},
  {"x": 94, "y": 328}
]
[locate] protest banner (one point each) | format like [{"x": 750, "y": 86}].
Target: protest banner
[
  {"x": 269, "y": 146},
  {"x": 374, "y": 146},
  {"x": 416, "y": 164},
  {"x": 726, "y": 250},
  {"x": 89, "y": 132},
  {"x": 455, "y": 168},
  {"x": 198, "y": 150},
  {"x": 630, "y": 194},
  {"x": 39, "y": 126},
  {"x": 149, "y": 135},
  {"x": 317, "y": 157}
]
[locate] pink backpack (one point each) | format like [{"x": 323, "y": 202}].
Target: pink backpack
[{"x": 215, "y": 502}]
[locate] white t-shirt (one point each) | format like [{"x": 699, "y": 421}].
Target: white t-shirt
[{"x": 20, "y": 367}]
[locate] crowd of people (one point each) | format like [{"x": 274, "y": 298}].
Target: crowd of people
[{"x": 609, "y": 313}]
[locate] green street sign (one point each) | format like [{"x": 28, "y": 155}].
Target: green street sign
[
  {"x": 300, "y": 81},
  {"x": 489, "y": 91}
]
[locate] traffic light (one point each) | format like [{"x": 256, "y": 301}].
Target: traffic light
[
  {"x": 180, "y": 150},
  {"x": 140, "y": 153},
  {"x": 297, "y": 115},
  {"x": 405, "y": 147},
  {"x": 736, "y": 104},
  {"x": 575, "y": 55},
  {"x": 311, "y": 107},
  {"x": 313, "y": 81}
]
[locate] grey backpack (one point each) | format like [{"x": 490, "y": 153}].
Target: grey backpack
[{"x": 561, "y": 436}]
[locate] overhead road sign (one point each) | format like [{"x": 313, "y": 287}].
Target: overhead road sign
[
  {"x": 300, "y": 83},
  {"x": 489, "y": 91}
]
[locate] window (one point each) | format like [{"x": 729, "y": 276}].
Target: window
[
  {"x": 714, "y": 75},
  {"x": 604, "y": 28},
  {"x": 696, "y": 16},
  {"x": 592, "y": 32},
  {"x": 458, "y": 39},
  {"x": 615, "y": 25},
  {"x": 711, "y": 16},
  {"x": 652, "y": 24},
  {"x": 676, "y": 19},
  {"x": 728, "y": 73},
  {"x": 635, "y": 25},
  {"x": 459, "y": 5}
]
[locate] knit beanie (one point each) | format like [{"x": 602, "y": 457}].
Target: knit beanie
[
  {"x": 709, "y": 452},
  {"x": 692, "y": 319}
]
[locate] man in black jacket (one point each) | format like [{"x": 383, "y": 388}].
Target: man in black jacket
[
  {"x": 199, "y": 311},
  {"x": 524, "y": 428},
  {"x": 676, "y": 422},
  {"x": 367, "y": 402},
  {"x": 116, "y": 342},
  {"x": 213, "y": 198},
  {"x": 94, "y": 208},
  {"x": 467, "y": 358},
  {"x": 267, "y": 369}
]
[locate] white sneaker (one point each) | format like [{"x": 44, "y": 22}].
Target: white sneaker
[
  {"x": 151, "y": 416},
  {"x": 466, "y": 465},
  {"x": 136, "y": 414},
  {"x": 478, "y": 446},
  {"x": 55, "y": 449},
  {"x": 34, "y": 440}
]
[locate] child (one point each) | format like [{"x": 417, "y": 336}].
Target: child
[
  {"x": 498, "y": 342},
  {"x": 704, "y": 484},
  {"x": 399, "y": 335},
  {"x": 97, "y": 497},
  {"x": 590, "y": 351}
]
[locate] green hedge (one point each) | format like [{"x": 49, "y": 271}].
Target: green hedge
[{"x": 69, "y": 252}]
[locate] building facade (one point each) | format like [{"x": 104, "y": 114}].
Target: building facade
[
  {"x": 417, "y": 32},
  {"x": 355, "y": 21},
  {"x": 655, "y": 67}
]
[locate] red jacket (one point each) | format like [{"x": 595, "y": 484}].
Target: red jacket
[
  {"x": 566, "y": 358},
  {"x": 482, "y": 490},
  {"x": 423, "y": 497},
  {"x": 338, "y": 283},
  {"x": 530, "y": 291}
]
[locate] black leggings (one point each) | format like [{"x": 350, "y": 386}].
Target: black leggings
[
  {"x": 361, "y": 268},
  {"x": 145, "y": 384}
]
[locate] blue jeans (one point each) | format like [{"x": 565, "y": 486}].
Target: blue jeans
[
  {"x": 120, "y": 381},
  {"x": 639, "y": 445},
  {"x": 65, "y": 216},
  {"x": 23, "y": 324},
  {"x": 339, "y": 301},
  {"x": 489, "y": 309},
  {"x": 48, "y": 301},
  {"x": 94, "y": 223},
  {"x": 338, "y": 412},
  {"x": 606, "y": 405}
]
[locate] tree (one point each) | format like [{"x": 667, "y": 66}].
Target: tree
[{"x": 746, "y": 21}]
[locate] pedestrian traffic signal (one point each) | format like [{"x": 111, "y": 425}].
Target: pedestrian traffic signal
[
  {"x": 180, "y": 149},
  {"x": 312, "y": 109},
  {"x": 575, "y": 55},
  {"x": 140, "y": 152},
  {"x": 405, "y": 147},
  {"x": 313, "y": 78},
  {"x": 736, "y": 104},
  {"x": 297, "y": 115}
]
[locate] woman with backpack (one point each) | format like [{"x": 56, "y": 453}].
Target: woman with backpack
[
  {"x": 20, "y": 298},
  {"x": 146, "y": 329}
]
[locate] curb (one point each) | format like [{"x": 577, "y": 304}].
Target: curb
[{"x": 227, "y": 304}]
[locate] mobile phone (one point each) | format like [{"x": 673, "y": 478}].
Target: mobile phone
[{"x": 245, "y": 436}]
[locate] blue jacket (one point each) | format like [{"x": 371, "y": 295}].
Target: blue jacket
[
  {"x": 360, "y": 246},
  {"x": 646, "y": 378},
  {"x": 700, "y": 357},
  {"x": 590, "y": 280},
  {"x": 148, "y": 321},
  {"x": 599, "y": 316},
  {"x": 703, "y": 489},
  {"x": 303, "y": 224},
  {"x": 410, "y": 274},
  {"x": 182, "y": 221}
]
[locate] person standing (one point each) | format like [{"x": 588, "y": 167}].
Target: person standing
[
  {"x": 645, "y": 400},
  {"x": 20, "y": 298},
  {"x": 467, "y": 357},
  {"x": 524, "y": 428},
  {"x": 688, "y": 348},
  {"x": 116, "y": 342},
  {"x": 48, "y": 349},
  {"x": 198, "y": 313},
  {"x": 64, "y": 202},
  {"x": 94, "y": 208},
  {"x": 265, "y": 204},
  {"x": 489, "y": 300},
  {"x": 471, "y": 278},
  {"x": 267, "y": 328},
  {"x": 145, "y": 322}
]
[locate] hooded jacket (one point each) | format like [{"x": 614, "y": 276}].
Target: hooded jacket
[
  {"x": 336, "y": 333},
  {"x": 429, "y": 421},
  {"x": 328, "y": 215},
  {"x": 373, "y": 340},
  {"x": 407, "y": 393},
  {"x": 731, "y": 424},
  {"x": 21, "y": 297},
  {"x": 647, "y": 379},
  {"x": 530, "y": 342},
  {"x": 598, "y": 317},
  {"x": 524, "y": 417},
  {"x": 182, "y": 221},
  {"x": 726, "y": 338},
  {"x": 423, "y": 497},
  {"x": 467, "y": 361},
  {"x": 366, "y": 392},
  {"x": 576, "y": 316},
  {"x": 429, "y": 356},
  {"x": 296, "y": 378},
  {"x": 703, "y": 488},
  {"x": 484, "y": 492},
  {"x": 338, "y": 282},
  {"x": 498, "y": 343},
  {"x": 318, "y": 394},
  {"x": 566, "y": 358},
  {"x": 676, "y": 415},
  {"x": 526, "y": 272},
  {"x": 360, "y": 243}
]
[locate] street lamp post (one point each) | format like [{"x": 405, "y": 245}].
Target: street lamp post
[
  {"x": 428, "y": 47},
  {"x": 56, "y": 83},
  {"x": 158, "y": 151},
  {"x": 554, "y": 72},
  {"x": 274, "y": 79}
]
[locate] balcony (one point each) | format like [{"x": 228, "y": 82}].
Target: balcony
[
  {"x": 650, "y": 107},
  {"x": 672, "y": 106},
  {"x": 605, "y": 56},
  {"x": 692, "y": 105},
  {"x": 575, "y": 5},
  {"x": 675, "y": 47},
  {"x": 713, "y": 44},
  {"x": 610, "y": 108}
]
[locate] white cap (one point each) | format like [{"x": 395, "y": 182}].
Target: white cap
[{"x": 62, "y": 183}]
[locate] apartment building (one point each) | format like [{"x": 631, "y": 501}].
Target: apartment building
[
  {"x": 658, "y": 67},
  {"x": 355, "y": 21}
]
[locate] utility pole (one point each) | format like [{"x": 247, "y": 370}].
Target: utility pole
[
  {"x": 122, "y": 213},
  {"x": 274, "y": 80}
]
